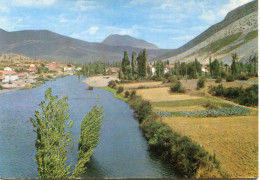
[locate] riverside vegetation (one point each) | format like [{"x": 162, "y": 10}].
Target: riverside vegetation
[
  {"x": 54, "y": 137},
  {"x": 160, "y": 102}
]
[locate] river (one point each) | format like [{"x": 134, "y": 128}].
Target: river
[{"x": 121, "y": 153}]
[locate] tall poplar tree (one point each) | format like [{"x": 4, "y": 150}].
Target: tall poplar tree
[
  {"x": 144, "y": 64},
  {"x": 53, "y": 137},
  {"x": 88, "y": 139},
  {"x": 133, "y": 62},
  {"x": 125, "y": 62}
]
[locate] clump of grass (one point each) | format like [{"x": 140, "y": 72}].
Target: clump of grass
[{"x": 210, "y": 105}]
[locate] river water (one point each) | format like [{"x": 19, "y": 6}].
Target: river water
[{"x": 121, "y": 153}]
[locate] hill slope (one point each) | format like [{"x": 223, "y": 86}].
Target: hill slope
[
  {"x": 48, "y": 45},
  {"x": 118, "y": 40},
  {"x": 236, "y": 33}
]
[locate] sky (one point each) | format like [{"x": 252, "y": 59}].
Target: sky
[{"x": 168, "y": 24}]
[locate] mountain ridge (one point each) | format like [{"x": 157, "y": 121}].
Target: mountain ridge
[
  {"x": 126, "y": 40},
  {"x": 232, "y": 17},
  {"x": 52, "y": 46}
]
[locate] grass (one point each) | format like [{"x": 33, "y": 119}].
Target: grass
[
  {"x": 251, "y": 35},
  {"x": 118, "y": 96},
  {"x": 181, "y": 108},
  {"x": 163, "y": 94},
  {"x": 232, "y": 139},
  {"x": 139, "y": 84},
  {"x": 215, "y": 46},
  {"x": 189, "y": 103}
]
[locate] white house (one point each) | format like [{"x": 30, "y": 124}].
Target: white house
[
  {"x": 8, "y": 69},
  {"x": 78, "y": 69},
  {"x": 9, "y": 76}
]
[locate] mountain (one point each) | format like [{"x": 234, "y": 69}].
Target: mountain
[
  {"x": 52, "y": 46},
  {"x": 237, "y": 33},
  {"x": 125, "y": 40}
]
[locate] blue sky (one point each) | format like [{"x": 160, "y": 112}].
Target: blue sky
[{"x": 166, "y": 23}]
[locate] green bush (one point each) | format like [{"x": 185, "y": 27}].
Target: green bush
[
  {"x": 127, "y": 94},
  {"x": 120, "y": 89},
  {"x": 218, "y": 80},
  {"x": 133, "y": 93},
  {"x": 112, "y": 84},
  {"x": 248, "y": 96},
  {"x": 230, "y": 78},
  {"x": 242, "y": 77},
  {"x": 177, "y": 87},
  {"x": 186, "y": 156},
  {"x": 173, "y": 79},
  {"x": 1, "y": 87},
  {"x": 210, "y": 105},
  {"x": 201, "y": 83}
]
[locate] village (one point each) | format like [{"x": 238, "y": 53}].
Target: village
[{"x": 28, "y": 75}]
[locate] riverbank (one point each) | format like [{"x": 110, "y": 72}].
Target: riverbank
[
  {"x": 31, "y": 82},
  {"x": 100, "y": 81},
  {"x": 228, "y": 144}
]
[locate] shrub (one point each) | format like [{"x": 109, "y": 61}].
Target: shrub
[
  {"x": 210, "y": 105},
  {"x": 120, "y": 89},
  {"x": 242, "y": 77},
  {"x": 116, "y": 81},
  {"x": 173, "y": 79},
  {"x": 112, "y": 84},
  {"x": 201, "y": 83},
  {"x": 1, "y": 87},
  {"x": 127, "y": 94},
  {"x": 249, "y": 97},
  {"x": 141, "y": 87},
  {"x": 177, "y": 87},
  {"x": 230, "y": 78},
  {"x": 133, "y": 93},
  {"x": 49, "y": 76},
  {"x": 90, "y": 88},
  {"x": 218, "y": 80}
]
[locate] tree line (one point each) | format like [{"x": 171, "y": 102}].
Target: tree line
[{"x": 54, "y": 138}]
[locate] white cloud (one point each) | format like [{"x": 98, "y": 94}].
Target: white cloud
[
  {"x": 186, "y": 37},
  {"x": 4, "y": 9},
  {"x": 10, "y": 24},
  {"x": 211, "y": 13},
  {"x": 84, "y": 5},
  {"x": 232, "y": 5},
  {"x": 32, "y": 3},
  {"x": 93, "y": 30}
]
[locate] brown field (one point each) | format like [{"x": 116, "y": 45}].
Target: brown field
[
  {"x": 138, "y": 84},
  {"x": 234, "y": 140},
  {"x": 182, "y": 108},
  {"x": 163, "y": 94}
]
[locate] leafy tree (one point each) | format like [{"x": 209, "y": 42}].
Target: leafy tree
[
  {"x": 53, "y": 137},
  {"x": 234, "y": 67},
  {"x": 125, "y": 62},
  {"x": 133, "y": 62},
  {"x": 88, "y": 139}
]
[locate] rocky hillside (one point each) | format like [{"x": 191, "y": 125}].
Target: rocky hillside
[
  {"x": 237, "y": 33},
  {"x": 125, "y": 40},
  {"x": 48, "y": 45}
]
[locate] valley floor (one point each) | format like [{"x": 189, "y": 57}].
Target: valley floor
[{"x": 233, "y": 139}]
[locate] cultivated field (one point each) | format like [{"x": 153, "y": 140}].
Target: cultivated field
[{"x": 232, "y": 138}]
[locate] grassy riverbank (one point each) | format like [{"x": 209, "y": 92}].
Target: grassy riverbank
[{"x": 228, "y": 132}]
